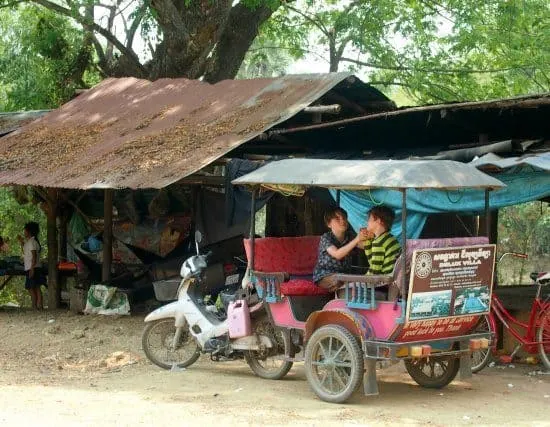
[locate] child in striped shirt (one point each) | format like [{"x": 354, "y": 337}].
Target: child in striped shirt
[{"x": 381, "y": 247}]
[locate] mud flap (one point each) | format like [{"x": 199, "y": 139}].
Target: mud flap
[
  {"x": 370, "y": 384},
  {"x": 465, "y": 371}
]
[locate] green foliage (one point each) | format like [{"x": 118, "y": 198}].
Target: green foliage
[
  {"x": 432, "y": 51},
  {"x": 524, "y": 228},
  {"x": 13, "y": 217},
  {"x": 43, "y": 59}
]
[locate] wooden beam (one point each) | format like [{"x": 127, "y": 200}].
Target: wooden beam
[
  {"x": 206, "y": 180},
  {"x": 333, "y": 96},
  {"x": 323, "y": 109},
  {"x": 54, "y": 288},
  {"x": 107, "y": 235}
]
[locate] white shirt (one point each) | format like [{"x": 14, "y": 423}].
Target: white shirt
[{"x": 30, "y": 245}]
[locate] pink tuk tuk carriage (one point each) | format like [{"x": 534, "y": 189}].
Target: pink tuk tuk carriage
[{"x": 439, "y": 291}]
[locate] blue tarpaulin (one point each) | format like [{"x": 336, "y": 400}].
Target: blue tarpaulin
[{"x": 521, "y": 187}]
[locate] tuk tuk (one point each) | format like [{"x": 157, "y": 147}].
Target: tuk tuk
[{"x": 439, "y": 291}]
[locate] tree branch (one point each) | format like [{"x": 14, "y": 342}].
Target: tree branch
[
  {"x": 301, "y": 49},
  {"x": 92, "y": 26},
  {"x": 431, "y": 70},
  {"x": 318, "y": 24},
  {"x": 139, "y": 15},
  {"x": 99, "y": 51}
]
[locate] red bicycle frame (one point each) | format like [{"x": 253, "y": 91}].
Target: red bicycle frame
[
  {"x": 527, "y": 337},
  {"x": 529, "y": 329}
]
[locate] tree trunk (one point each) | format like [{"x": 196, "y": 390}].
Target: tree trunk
[
  {"x": 333, "y": 65},
  {"x": 239, "y": 33},
  {"x": 200, "y": 38},
  {"x": 54, "y": 288}
]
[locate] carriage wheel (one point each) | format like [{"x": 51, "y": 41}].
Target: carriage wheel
[
  {"x": 333, "y": 363},
  {"x": 433, "y": 372}
]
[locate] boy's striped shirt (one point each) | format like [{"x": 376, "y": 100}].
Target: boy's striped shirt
[{"x": 382, "y": 253}]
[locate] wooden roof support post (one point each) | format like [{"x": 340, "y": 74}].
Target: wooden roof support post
[
  {"x": 63, "y": 210},
  {"x": 54, "y": 288},
  {"x": 107, "y": 235}
]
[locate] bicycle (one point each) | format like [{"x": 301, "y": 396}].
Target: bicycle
[{"x": 534, "y": 335}]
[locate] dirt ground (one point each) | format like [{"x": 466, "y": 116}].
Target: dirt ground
[{"x": 62, "y": 369}]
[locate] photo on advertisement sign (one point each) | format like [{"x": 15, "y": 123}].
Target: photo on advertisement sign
[
  {"x": 472, "y": 300},
  {"x": 426, "y": 305}
]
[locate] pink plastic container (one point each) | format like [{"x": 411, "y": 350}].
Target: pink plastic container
[{"x": 238, "y": 318}]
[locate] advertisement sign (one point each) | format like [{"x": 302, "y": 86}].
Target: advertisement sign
[{"x": 449, "y": 289}]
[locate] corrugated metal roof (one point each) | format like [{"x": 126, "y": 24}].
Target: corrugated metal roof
[
  {"x": 10, "y": 122},
  {"x": 526, "y": 101},
  {"x": 140, "y": 134}
]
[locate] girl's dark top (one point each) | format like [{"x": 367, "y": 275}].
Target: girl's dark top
[{"x": 326, "y": 264}]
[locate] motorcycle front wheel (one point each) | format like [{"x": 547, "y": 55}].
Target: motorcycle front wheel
[
  {"x": 269, "y": 363},
  {"x": 157, "y": 341}
]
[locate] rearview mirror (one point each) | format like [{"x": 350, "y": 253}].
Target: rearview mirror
[{"x": 198, "y": 238}]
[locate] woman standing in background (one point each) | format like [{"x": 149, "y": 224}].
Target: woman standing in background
[{"x": 31, "y": 255}]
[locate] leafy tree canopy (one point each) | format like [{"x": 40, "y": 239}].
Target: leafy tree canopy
[
  {"x": 433, "y": 50},
  {"x": 430, "y": 50},
  {"x": 43, "y": 59}
]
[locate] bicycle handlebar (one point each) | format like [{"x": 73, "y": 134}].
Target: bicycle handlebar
[{"x": 514, "y": 254}]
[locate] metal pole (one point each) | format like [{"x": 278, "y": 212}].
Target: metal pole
[
  {"x": 487, "y": 215},
  {"x": 404, "y": 237},
  {"x": 338, "y": 197},
  {"x": 252, "y": 233}
]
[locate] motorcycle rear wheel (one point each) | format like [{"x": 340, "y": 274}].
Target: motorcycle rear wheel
[
  {"x": 156, "y": 341},
  {"x": 269, "y": 364}
]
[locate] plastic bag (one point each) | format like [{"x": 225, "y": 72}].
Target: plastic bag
[{"x": 106, "y": 300}]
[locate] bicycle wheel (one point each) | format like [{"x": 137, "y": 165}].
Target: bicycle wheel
[
  {"x": 481, "y": 358},
  {"x": 543, "y": 336}
]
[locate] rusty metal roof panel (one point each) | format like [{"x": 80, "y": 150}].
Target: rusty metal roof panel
[
  {"x": 139, "y": 134},
  {"x": 10, "y": 122}
]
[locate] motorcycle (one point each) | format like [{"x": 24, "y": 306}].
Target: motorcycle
[{"x": 176, "y": 334}]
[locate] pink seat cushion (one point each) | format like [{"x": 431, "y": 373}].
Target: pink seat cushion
[{"x": 301, "y": 287}]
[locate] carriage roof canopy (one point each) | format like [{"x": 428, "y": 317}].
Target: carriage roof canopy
[{"x": 365, "y": 174}]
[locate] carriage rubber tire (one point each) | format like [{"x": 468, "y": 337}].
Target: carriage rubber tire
[
  {"x": 144, "y": 343},
  {"x": 357, "y": 362},
  {"x": 269, "y": 374},
  {"x": 544, "y": 329},
  {"x": 488, "y": 355},
  {"x": 440, "y": 382}
]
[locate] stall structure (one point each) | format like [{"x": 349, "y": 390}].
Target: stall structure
[{"x": 140, "y": 135}]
